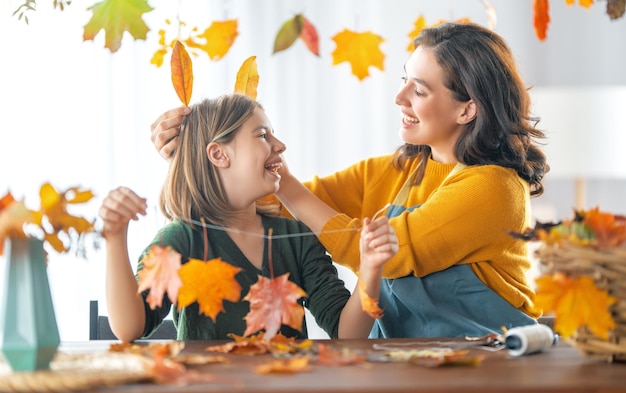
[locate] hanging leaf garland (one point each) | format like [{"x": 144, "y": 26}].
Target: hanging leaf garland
[
  {"x": 182, "y": 73},
  {"x": 248, "y": 78},
  {"x": 294, "y": 28}
]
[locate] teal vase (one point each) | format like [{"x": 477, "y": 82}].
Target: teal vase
[{"x": 29, "y": 335}]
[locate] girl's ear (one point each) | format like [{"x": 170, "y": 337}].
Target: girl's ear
[
  {"x": 216, "y": 154},
  {"x": 469, "y": 112}
]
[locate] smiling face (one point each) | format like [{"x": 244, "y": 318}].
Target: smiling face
[
  {"x": 430, "y": 114},
  {"x": 250, "y": 162}
]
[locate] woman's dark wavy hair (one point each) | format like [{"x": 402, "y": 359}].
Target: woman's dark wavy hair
[{"x": 479, "y": 65}]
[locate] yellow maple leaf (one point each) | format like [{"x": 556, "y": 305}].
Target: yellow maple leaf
[
  {"x": 418, "y": 26},
  {"x": 576, "y": 302},
  {"x": 209, "y": 283},
  {"x": 115, "y": 17},
  {"x": 160, "y": 275},
  {"x": 219, "y": 37},
  {"x": 360, "y": 50}
]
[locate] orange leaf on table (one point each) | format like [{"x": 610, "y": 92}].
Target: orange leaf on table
[
  {"x": 160, "y": 275},
  {"x": 248, "y": 78},
  {"x": 368, "y": 304},
  {"x": 338, "y": 357},
  {"x": 541, "y": 18},
  {"x": 209, "y": 283},
  {"x": 274, "y": 302},
  {"x": 116, "y": 17},
  {"x": 182, "y": 72},
  {"x": 576, "y": 302},
  {"x": 284, "y": 366},
  {"x": 361, "y": 50},
  {"x": 220, "y": 37}
]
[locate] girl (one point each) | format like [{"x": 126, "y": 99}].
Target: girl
[{"x": 226, "y": 160}]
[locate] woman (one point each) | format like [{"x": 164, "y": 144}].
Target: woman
[
  {"x": 462, "y": 180},
  {"x": 227, "y": 159}
]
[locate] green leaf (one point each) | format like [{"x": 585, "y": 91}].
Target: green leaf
[{"x": 288, "y": 34}]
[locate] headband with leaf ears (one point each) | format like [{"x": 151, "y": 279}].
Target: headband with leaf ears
[{"x": 182, "y": 75}]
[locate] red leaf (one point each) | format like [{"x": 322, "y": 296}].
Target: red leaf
[
  {"x": 541, "y": 18},
  {"x": 309, "y": 36}
]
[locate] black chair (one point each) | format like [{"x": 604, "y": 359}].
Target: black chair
[{"x": 99, "y": 328}]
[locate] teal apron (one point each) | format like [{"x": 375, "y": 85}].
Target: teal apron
[{"x": 450, "y": 303}]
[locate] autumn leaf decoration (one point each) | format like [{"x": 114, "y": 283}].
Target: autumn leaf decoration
[
  {"x": 274, "y": 302},
  {"x": 248, "y": 78},
  {"x": 577, "y": 302},
  {"x": 541, "y": 18},
  {"x": 182, "y": 73},
  {"x": 360, "y": 50},
  {"x": 116, "y": 17},
  {"x": 294, "y": 28},
  {"x": 52, "y": 223}
]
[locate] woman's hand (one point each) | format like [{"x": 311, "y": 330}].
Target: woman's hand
[
  {"x": 165, "y": 129},
  {"x": 118, "y": 208}
]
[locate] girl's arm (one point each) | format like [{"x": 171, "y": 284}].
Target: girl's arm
[
  {"x": 125, "y": 305},
  {"x": 378, "y": 243}
]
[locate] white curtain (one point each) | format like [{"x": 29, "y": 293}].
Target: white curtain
[{"x": 72, "y": 113}]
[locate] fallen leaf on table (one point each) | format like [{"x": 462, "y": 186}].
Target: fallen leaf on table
[
  {"x": 285, "y": 366},
  {"x": 447, "y": 358},
  {"x": 338, "y": 357}
]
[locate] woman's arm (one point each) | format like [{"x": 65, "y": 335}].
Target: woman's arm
[{"x": 125, "y": 305}]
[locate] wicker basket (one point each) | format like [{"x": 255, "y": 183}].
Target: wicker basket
[{"x": 608, "y": 269}]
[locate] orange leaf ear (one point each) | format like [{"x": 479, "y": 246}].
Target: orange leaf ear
[
  {"x": 248, "y": 78},
  {"x": 541, "y": 18},
  {"x": 182, "y": 73}
]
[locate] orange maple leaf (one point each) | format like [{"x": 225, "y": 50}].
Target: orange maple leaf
[
  {"x": 368, "y": 304},
  {"x": 576, "y": 303},
  {"x": 116, "y": 17},
  {"x": 360, "y": 50},
  {"x": 182, "y": 73},
  {"x": 274, "y": 302},
  {"x": 220, "y": 36},
  {"x": 609, "y": 229},
  {"x": 160, "y": 275},
  {"x": 209, "y": 283},
  {"x": 53, "y": 217},
  {"x": 248, "y": 78},
  {"x": 541, "y": 18},
  {"x": 284, "y": 366}
]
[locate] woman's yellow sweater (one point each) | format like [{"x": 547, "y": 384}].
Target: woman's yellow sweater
[{"x": 461, "y": 219}]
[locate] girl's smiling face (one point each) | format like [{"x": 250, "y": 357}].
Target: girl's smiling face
[
  {"x": 430, "y": 114},
  {"x": 254, "y": 158}
]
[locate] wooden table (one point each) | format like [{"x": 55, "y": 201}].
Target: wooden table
[{"x": 560, "y": 369}]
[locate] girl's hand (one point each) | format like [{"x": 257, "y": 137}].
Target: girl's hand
[
  {"x": 378, "y": 243},
  {"x": 165, "y": 129},
  {"x": 118, "y": 208}
]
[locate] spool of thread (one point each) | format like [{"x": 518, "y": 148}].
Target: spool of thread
[{"x": 525, "y": 340}]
